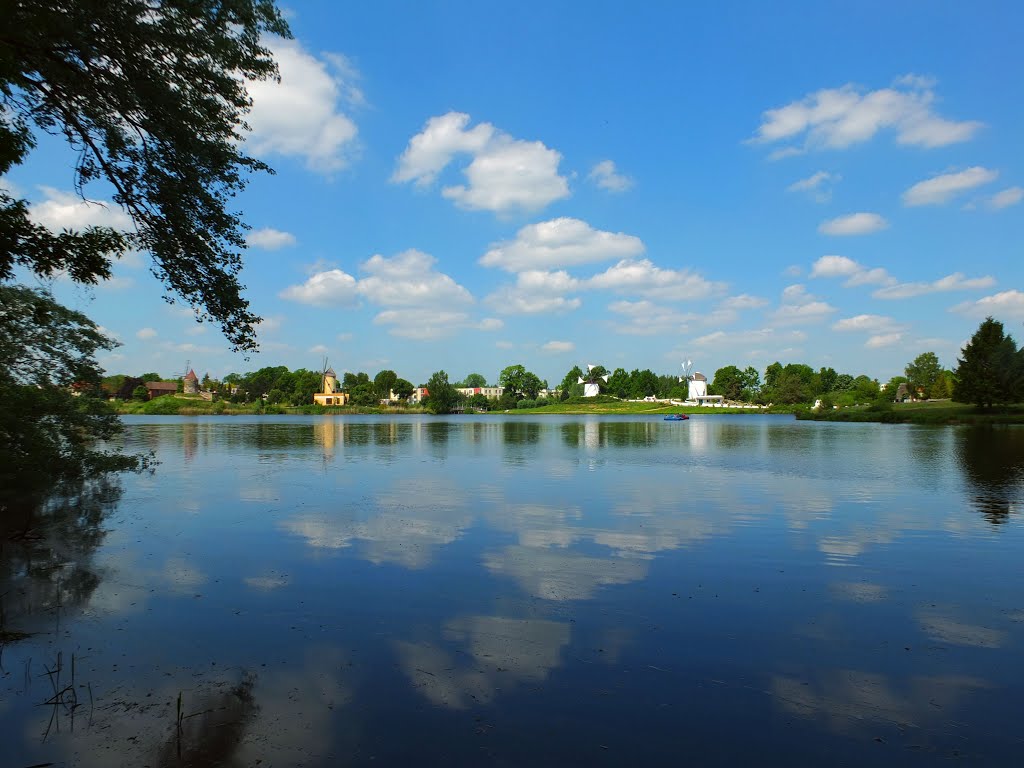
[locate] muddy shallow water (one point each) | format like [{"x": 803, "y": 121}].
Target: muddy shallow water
[{"x": 524, "y": 591}]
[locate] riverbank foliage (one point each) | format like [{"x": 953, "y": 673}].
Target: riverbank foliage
[
  {"x": 991, "y": 371},
  {"x": 151, "y": 98},
  {"x": 192, "y": 405},
  {"x": 935, "y": 412},
  {"x": 51, "y": 433}
]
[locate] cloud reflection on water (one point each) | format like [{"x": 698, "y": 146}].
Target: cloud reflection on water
[
  {"x": 559, "y": 574},
  {"x": 849, "y": 701},
  {"x": 407, "y": 524},
  {"x": 503, "y": 652}
]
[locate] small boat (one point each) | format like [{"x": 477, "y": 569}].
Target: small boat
[{"x": 676, "y": 417}]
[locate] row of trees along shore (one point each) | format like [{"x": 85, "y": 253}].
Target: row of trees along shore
[{"x": 991, "y": 372}]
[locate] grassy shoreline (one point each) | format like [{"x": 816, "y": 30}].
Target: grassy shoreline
[
  {"x": 186, "y": 405},
  {"x": 937, "y": 412}
]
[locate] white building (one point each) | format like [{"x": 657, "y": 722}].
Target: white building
[
  {"x": 491, "y": 393},
  {"x": 698, "y": 387}
]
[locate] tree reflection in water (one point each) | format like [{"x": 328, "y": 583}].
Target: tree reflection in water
[
  {"x": 212, "y": 733},
  {"x": 992, "y": 462},
  {"x": 46, "y": 551}
]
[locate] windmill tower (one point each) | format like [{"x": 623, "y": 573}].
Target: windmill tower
[
  {"x": 592, "y": 384},
  {"x": 330, "y": 393},
  {"x": 328, "y": 379},
  {"x": 696, "y": 383},
  {"x": 189, "y": 380}
]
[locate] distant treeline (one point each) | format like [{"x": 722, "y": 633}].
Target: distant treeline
[{"x": 991, "y": 372}]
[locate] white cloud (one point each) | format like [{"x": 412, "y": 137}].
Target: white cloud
[
  {"x": 800, "y": 307},
  {"x": 332, "y": 288},
  {"x": 955, "y": 282},
  {"x": 763, "y": 336},
  {"x": 642, "y": 277},
  {"x": 433, "y": 148},
  {"x": 800, "y": 314},
  {"x": 943, "y": 188},
  {"x": 883, "y": 340},
  {"x": 146, "y": 333},
  {"x": 195, "y": 330},
  {"x": 1003, "y": 304},
  {"x": 796, "y": 294},
  {"x": 558, "y": 346},
  {"x": 744, "y": 301},
  {"x": 419, "y": 302},
  {"x": 605, "y": 176},
  {"x": 513, "y": 303},
  {"x": 784, "y": 152},
  {"x": 853, "y": 224},
  {"x": 109, "y": 333},
  {"x": 834, "y": 266},
  {"x": 818, "y": 185},
  {"x": 270, "y": 239},
  {"x": 272, "y": 323},
  {"x": 408, "y": 279},
  {"x": 549, "y": 282},
  {"x": 866, "y": 323},
  {"x": 1006, "y": 198},
  {"x": 422, "y": 323},
  {"x": 300, "y": 116},
  {"x": 537, "y": 292},
  {"x": 836, "y": 118},
  {"x": 9, "y": 187},
  {"x": 876, "y": 276},
  {"x": 856, "y": 273},
  {"x": 645, "y": 318},
  {"x": 319, "y": 349},
  {"x": 557, "y": 243},
  {"x": 504, "y": 174},
  {"x": 491, "y": 324},
  {"x": 65, "y": 210}
]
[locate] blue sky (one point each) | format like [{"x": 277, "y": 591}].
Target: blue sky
[{"x": 463, "y": 186}]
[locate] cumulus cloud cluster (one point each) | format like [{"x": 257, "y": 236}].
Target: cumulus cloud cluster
[
  {"x": 607, "y": 177},
  {"x": 836, "y": 118},
  {"x": 504, "y": 173},
  {"x": 1006, "y": 198},
  {"x": 883, "y": 331},
  {"x": 1003, "y": 304},
  {"x": 853, "y": 224},
  {"x": 854, "y": 272},
  {"x": 954, "y": 282},
  {"x": 416, "y": 300},
  {"x": 798, "y": 307},
  {"x": 943, "y": 188},
  {"x": 301, "y": 115},
  {"x": 818, "y": 185},
  {"x": 541, "y": 253},
  {"x": 270, "y": 239},
  {"x": 562, "y": 242}
]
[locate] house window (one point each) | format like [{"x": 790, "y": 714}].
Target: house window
[{"x": 330, "y": 401}]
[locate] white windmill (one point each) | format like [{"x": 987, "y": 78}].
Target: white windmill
[
  {"x": 696, "y": 383},
  {"x": 592, "y": 384}
]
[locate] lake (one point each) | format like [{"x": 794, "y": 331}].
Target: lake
[{"x": 542, "y": 591}]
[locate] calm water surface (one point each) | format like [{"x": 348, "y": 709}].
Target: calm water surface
[{"x": 514, "y": 591}]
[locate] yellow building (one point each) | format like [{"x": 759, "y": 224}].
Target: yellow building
[{"x": 330, "y": 393}]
